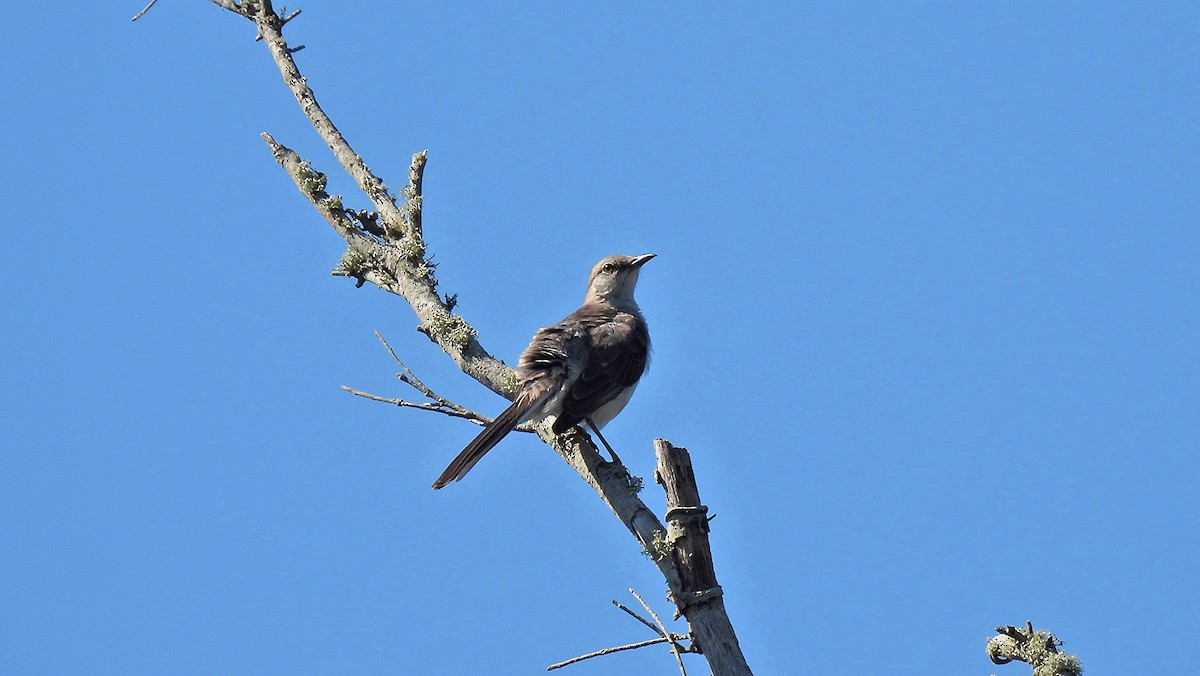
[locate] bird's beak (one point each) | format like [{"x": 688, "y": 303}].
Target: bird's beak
[{"x": 641, "y": 260}]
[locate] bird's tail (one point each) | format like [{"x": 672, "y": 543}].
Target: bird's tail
[{"x": 487, "y": 439}]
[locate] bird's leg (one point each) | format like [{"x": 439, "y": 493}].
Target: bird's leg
[{"x": 604, "y": 441}]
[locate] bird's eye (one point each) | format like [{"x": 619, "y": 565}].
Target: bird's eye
[{"x": 608, "y": 267}]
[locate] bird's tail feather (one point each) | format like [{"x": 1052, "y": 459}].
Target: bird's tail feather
[{"x": 487, "y": 439}]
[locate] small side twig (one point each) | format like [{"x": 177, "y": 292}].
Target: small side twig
[
  {"x": 436, "y": 403},
  {"x": 465, "y": 414},
  {"x": 411, "y": 379}
]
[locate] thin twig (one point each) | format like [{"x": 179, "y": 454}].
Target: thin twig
[
  {"x": 663, "y": 631},
  {"x": 411, "y": 379},
  {"x": 440, "y": 405},
  {"x": 144, "y": 10},
  {"x": 606, "y": 651},
  {"x": 637, "y": 617},
  {"x": 465, "y": 414},
  {"x": 662, "y": 638}
]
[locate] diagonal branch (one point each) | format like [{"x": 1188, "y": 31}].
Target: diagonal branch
[
  {"x": 390, "y": 253},
  {"x": 388, "y": 266},
  {"x": 270, "y": 27},
  {"x": 637, "y": 617},
  {"x": 398, "y": 257},
  {"x": 144, "y": 10}
]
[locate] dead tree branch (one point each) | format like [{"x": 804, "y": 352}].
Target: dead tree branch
[
  {"x": 144, "y": 10},
  {"x": 386, "y": 248},
  {"x": 697, "y": 596}
]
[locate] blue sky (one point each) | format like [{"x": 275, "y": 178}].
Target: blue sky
[{"x": 925, "y": 311}]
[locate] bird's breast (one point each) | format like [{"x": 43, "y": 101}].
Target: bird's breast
[{"x": 610, "y": 410}]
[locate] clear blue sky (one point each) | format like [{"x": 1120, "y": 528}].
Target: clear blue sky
[{"x": 926, "y": 312}]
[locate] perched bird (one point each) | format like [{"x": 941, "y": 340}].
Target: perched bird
[{"x": 582, "y": 369}]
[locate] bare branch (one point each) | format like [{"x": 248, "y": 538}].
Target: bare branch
[
  {"x": 389, "y": 266},
  {"x": 606, "y": 651},
  {"x": 411, "y": 379},
  {"x": 662, "y": 631},
  {"x": 270, "y": 26},
  {"x": 388, "y": 250},
  {"x": 697, "y": 596},
  {"x": 639, "y": 618},
  {"x": 144, "y": 10},
  {"x": 663, "y": 637},
  {"x": 463, "y": 413}
]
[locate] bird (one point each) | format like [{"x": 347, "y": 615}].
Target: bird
[{"x": 583, "y": 369}]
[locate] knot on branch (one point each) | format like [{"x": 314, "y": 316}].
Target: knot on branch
[
  {"x": 1039, "y": 649},
  {"x": 682, "y": 515},
  {"x": 696, "y": 598}
]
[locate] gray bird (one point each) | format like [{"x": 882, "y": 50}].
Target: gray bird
[{"x": 582, "y": 369}]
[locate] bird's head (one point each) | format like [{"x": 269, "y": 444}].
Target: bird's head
[{"x": 614, "y": 277}]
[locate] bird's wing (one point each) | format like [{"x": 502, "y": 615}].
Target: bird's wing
[
  {"x": 554, "y": 359},
  {"x": 619, "y": 352}
]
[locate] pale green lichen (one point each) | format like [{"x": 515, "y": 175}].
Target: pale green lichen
[
  {"x": 353, "y": 262},
  {"x": 332, "y": 204},
  {"x": 452, "y": 329},
  {"x": 509, "y": 382},
  {"x": 412, "y": 249},
  {"x": 312, "y": 182},
  {"x": 658, "y": 548},
  {"x": 1059, "y": 664}
]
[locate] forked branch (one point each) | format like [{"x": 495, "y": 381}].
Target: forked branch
[{"x": 664, "y": 636}]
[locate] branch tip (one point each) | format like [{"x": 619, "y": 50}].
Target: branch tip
[{"x": 144, "y": 10}]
